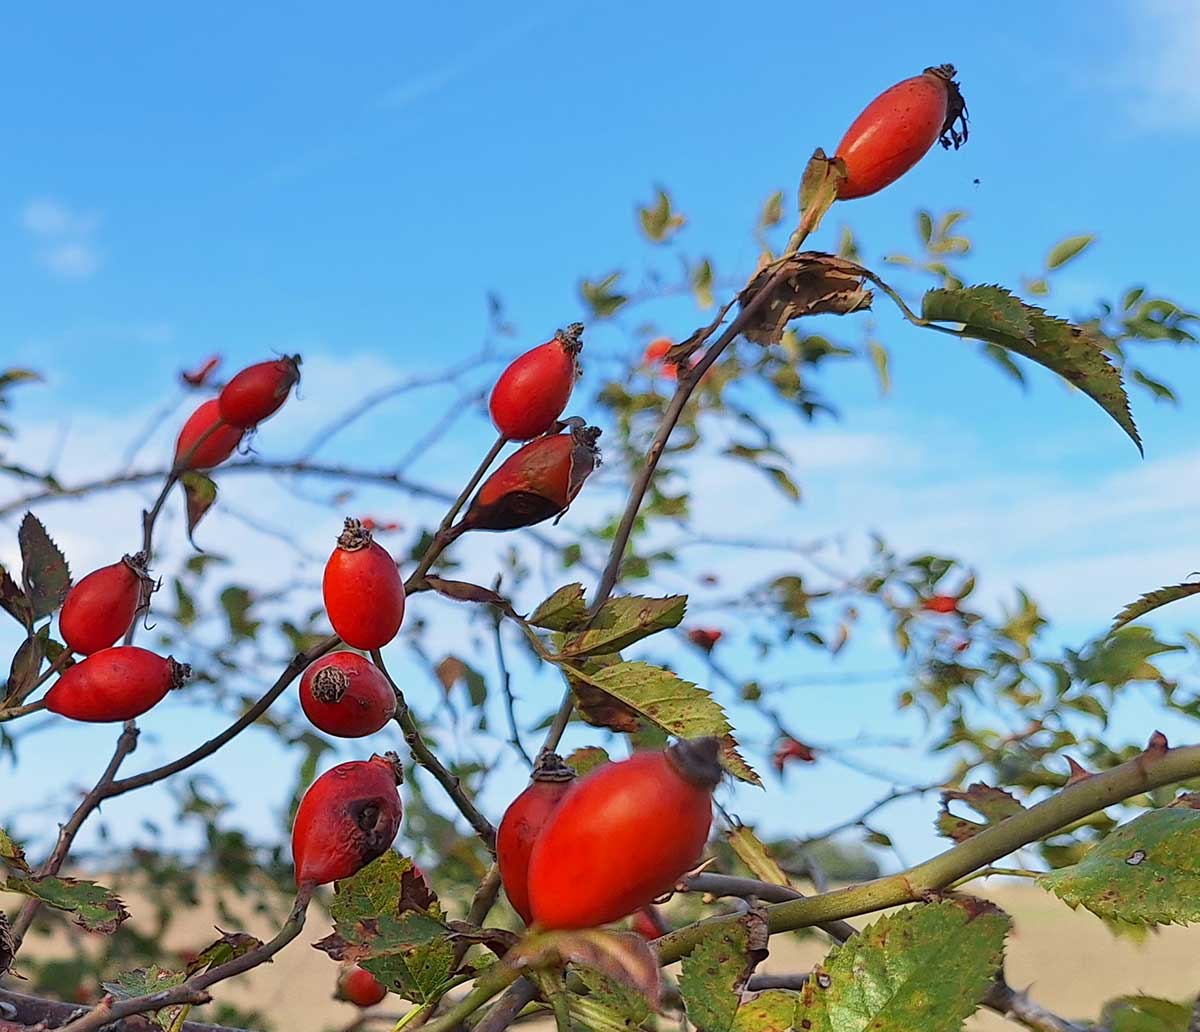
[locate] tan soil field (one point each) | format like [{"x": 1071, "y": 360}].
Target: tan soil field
[{"x": 1069, "y": 960}]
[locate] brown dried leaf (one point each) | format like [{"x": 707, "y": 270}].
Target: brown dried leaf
[
  {"x": 809, "y": 283},
  {"x": 624, "y": 957}
]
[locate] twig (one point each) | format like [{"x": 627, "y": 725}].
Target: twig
[
  {"x": 747, "y": 888},
  {"x": 20, "y": 711},
  {"x": 1004, "y": 999},
  {"x": 194, "y": 989},
  {"x": 425, "y": 757},
  {"x": 33, "y": 1011},
  {"x": 518, "y": 995},
  {"x": 514, "y": 732}
]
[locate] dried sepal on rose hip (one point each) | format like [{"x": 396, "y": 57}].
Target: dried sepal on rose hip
[
  {"x": 345, "y": 695},
  {"x": 358, "y": 986},
  {"x": 532, "y": 392},
  {"x": 623, "y": 836},
  {"x": 897, "y": 129},
  {"x": 115, "y": 684},
  {"x": 536, "y": 482},
  {"x": 363, "y": 590},
  {"x": 205, "y": 439},
  {"x": 102, "y": 606},
  {"x": 349, "y": 816},
  {"x": 523, "y": 821},
  {"x": 259, "y": 391}
]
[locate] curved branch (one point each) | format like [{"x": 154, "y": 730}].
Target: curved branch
[{"x": 33, "y": 1010}]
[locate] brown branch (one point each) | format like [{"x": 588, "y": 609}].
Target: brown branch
[
  {"x": 747, "y": 888},
  {"x": 425, "y": 757},
  {"x": 194, "y": 989},
  {"x": 126, "y": 743},
  {"x": 33, "y": 1010},
  {"x": 1011, "y": 1003}
]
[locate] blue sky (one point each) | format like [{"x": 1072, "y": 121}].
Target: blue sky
[{"x": 352, "y": 186}]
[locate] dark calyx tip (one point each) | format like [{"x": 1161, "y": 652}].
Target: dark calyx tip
[
  {"x": 353, "y": 536},
  {"x": 180, "y": 672},
  {"x": 392, "y": 760},
  {"x": 330, "y": 684},
  {"x": 954, "y": 129},
  {"x": 698, "y": 760},
  {"x": 586, "y": 435},
  {"x": 942, "y": 71},
  {"x": 551, "y": 767},
  {"x": 571, "y": 338},
  {"x": 137, "y": 563}
]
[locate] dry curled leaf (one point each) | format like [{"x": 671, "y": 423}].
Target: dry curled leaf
[{"x": 808, "y": 283}]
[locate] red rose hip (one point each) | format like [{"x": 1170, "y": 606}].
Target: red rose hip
[
  {"x": 536, "y": 482},
  {"x": 345, "y": 695},
  {"x": 348, "y": 817},
  {"x": 623, "y": 836},
  {"x": 533, "y": 391},
  {"x": 115, "y": 684},
  {"x": 101, "y": 607},
  {"x": 259, "y": 391},
  {"x": 364, "y": 594},
  {"x": 358, "y": 986},
  {"x": 210, "y": 450},
  {"x": 523, "y": 822},
  {"x": 897, "y": 129}
]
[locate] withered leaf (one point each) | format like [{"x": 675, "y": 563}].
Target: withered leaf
[{"x": 808, "y": 283}]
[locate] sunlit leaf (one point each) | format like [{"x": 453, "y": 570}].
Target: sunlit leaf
[
  {"x": 1065, "y": 250},
  {"x": 1154, "y": 600},
  {"x": 562, "y": 611},
  {"x": 623, "y": 621}
]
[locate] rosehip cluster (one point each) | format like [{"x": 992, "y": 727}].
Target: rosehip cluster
[{"x": 586, "y": 853}]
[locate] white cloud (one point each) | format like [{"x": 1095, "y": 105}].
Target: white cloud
[
  {"x": 64, "y": 239},
  {"x": 1160, "y": 74}
]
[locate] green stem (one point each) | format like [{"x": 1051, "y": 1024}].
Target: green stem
[
  {"x": 1150, "y": 769},
  {"x": 987, "y": 872},
  {"x": 491, "y": 983}
]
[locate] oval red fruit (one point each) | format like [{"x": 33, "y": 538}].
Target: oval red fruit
[
  {"x": 623, "y": 836},
  {"x": 536, "y": 482},
  {"x": 523, "y": 822},
  {"x": 358, "y": 986},
  {"x": 101, "y": 607},
  {"x": 940, "y": 604},
  {"x": 897, "y": 129},
  {"x": 210, "y": 450},
  {"x": 364, "y": 594},
  {"x": 533, "y": 391},
  {"x": 115, "y": 684},
  {"x": 259, "y": 391},
  {"x": 344, "y": 694},
  {"x": 348, "y": 817}
]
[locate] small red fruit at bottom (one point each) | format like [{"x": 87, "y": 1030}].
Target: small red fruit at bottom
[
  {"x": 259, "y": 391},
  {"x": 648, "y": 924},
  {"x": 99, "y": 608},
  {"x": 534, "y": 483},
  {"x": 623, "y": 836},
  {"x": 523, "y": 822},
  {"x": 940, "y": 604},
  {"x": 358, "y": 986},
  {"x": 346, "y": 695},
  {"x": 364, "y": 594},
  {"x": 349, "y": 816},
  {"x": 533, "y": 391},
  {"x": 210, "y": 450},
  {"x": 115, "y": 684}
]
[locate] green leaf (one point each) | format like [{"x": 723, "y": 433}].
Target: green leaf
[
  {"x": 992, "y": 314},
  {"x": 144, "y": 982},
  {"x": 562, "y": 611},
  {"x": 623, "y": 621},
  {"x": 879, "y": 360},
  {"x": 607, "y": 1005},
  {"x": 200, "y": 493},
  {"x": 923, "y": 969},
  {"x": 26, "y": 666},
  {"x": 671, "y": 704},
  {"x": 924, "y": 226},
  {"x": 12, "y": 855},
  {"x": 91, "y": 906},
  {"x": 818, "y": 188},
  {"x": 659, "y": 220},
  {"x": 387, "y": 919},
  {"x": 584, "y": 761},
  {"x": 14, "y": 601},
  {"x": 772, "y": 211},
  {"x": 776, "y": 1010},
  {"x": 1144, "y": 872},
  {"x": 1154, "y": 600},
  {"x": 11, "y": 376},
  {"x": 1145, "y": 1014},
  {"x": 702, "y": 283},
  {"x": 993, "y": 804},
  {"x": 1065, "y": 250},
  {"x": 712, "y": 976},
  {"x": 757, "y": 858},
  {"x": 44, "y": 571},
  {"x": 601, "y": 296},
  {"x": 783, "y": 481}
]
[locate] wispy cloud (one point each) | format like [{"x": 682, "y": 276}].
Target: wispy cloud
[
  {"x": 1159, "y": 76},
  {"x": 64, "y": 239},
  {"x": 430, "y": 82}
]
